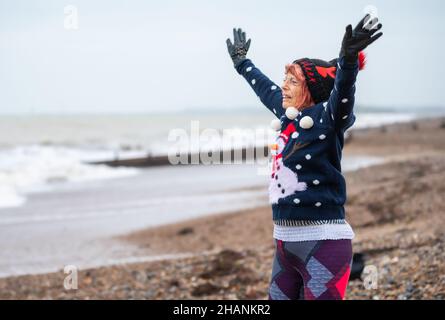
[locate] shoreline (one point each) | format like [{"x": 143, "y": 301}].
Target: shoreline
[{"x": 399, "y": 227}]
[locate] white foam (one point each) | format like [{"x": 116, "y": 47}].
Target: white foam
[
  {"x": 368, "y": 120},
  {"x": 34, "y": 168},
  {"x": 10, "y": 198}
]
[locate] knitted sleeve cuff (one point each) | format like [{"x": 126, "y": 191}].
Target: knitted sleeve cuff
[
  {"x": 239, "y": 65},
  {"x": 347, "y": 65}
]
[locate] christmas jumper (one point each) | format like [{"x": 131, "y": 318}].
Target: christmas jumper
[{"x": 307, "y": 187}]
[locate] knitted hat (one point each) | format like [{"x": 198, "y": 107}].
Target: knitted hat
[{"x": 320, "y": 75}]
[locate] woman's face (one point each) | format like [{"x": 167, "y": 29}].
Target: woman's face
[{"x": 292, "y": 91}]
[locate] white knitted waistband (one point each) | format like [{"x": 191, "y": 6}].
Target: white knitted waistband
[
  {"x": 314, "y": 232},
  {"x": 296, "y": 223}
]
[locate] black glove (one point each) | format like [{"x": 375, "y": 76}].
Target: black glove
[
  {"x": 239, "y": 48},
  {"x": 358, "y": 39}
]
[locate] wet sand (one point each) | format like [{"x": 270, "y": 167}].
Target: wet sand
[{"x": 396, "y": 209}]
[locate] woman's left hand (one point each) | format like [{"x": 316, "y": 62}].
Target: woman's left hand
[{"x": 358, "y": 39}]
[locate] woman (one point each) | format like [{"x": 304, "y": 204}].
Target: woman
[{"x": 313, "y": 251}]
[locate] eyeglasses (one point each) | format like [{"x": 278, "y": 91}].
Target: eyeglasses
[{"x": 292, "y": 80}]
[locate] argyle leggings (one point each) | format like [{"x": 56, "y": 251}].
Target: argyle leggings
[{"x": 310, "y": 270}]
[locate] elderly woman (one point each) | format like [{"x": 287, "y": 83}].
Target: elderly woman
[{"x": 313, "y": 251}]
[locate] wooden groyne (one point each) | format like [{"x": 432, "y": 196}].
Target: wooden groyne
[
  {"x": 219, "y": 157},
  {"x": 238, "y": 155}
]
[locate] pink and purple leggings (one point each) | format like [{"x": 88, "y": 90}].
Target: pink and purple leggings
[{"x": 310, "y": 270}]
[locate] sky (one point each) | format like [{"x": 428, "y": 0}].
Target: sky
[{"x": 145, "y": 56}]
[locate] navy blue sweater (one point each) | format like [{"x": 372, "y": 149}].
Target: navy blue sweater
[{"x": 313, "y": 155}]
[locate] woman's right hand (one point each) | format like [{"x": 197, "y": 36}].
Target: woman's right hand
[{"x": 239, "y": 48}]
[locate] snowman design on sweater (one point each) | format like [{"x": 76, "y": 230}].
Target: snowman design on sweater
[{"x": 284, "y": 181}]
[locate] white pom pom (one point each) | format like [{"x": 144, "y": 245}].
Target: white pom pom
[
  {"x": 291, "y": 113},
  {"x": 306, "y": 122},
  {"x": 275, "y": 124}
]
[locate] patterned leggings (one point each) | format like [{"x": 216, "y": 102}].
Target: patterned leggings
[{"x": 310, "y": 270}]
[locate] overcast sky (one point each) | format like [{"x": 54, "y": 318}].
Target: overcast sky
[{"x": 143, "y": 56}]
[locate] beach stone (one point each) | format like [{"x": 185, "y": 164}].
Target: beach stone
[
  {"x": 174, "y": 282},
  {"x": 139, "y": 276},
  {"x": 204, "y": 289},
  {"x": 223, "y": 264},
  {"x": 186, "y": 230}
]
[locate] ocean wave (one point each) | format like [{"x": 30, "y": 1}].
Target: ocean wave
[{"x": 25, "y": 169}]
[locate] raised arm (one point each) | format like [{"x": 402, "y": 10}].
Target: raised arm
[
  {"x": 341, "y": 100},
  {"x": 269, "y": 93}
]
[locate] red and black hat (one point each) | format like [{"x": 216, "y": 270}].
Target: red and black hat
[{"x": 320, "y": 75}]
